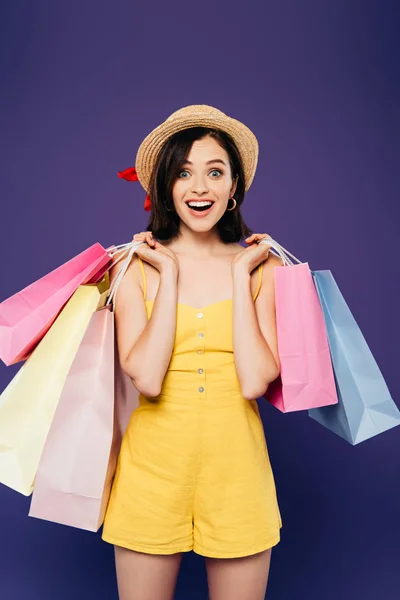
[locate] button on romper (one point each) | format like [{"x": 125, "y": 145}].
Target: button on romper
[{"x": 193, "y": 471}]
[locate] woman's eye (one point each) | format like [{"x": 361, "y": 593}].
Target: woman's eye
[{"x": 187, "y": 172}]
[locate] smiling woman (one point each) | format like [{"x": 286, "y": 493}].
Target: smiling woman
[
  {"x": 196, "y": 333},
  {"x": 172, "y": 180}
]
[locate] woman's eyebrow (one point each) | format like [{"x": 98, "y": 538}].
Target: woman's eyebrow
[{"x": 214, "y": 160}]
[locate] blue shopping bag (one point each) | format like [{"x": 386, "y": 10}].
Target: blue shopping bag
[{"x": 365, "y": 406}]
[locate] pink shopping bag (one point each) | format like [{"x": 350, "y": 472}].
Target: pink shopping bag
[
  {"x": 77, "y": 466},
  {"x": 26, "y": 316},
  {"x": 306, "y": 379}
]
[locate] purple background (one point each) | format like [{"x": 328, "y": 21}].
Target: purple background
[{"x": 82, "y": 83}]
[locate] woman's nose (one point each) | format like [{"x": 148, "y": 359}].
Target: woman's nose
[{"x": 199, "y": 185}]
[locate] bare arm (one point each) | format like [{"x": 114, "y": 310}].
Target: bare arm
[
  {"x": 145, "y": 345},
  {"x": 254, "y": 331}
]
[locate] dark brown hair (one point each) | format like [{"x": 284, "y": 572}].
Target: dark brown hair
[{"x": 164, "y": 220}]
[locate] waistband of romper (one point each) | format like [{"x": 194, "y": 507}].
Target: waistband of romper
[{"x": 207, "y": 397}]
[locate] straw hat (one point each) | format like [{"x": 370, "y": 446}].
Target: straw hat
[{"x": 195, "y": 115}]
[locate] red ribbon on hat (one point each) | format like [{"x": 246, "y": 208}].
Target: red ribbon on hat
[{"x": 130, "y": 174}]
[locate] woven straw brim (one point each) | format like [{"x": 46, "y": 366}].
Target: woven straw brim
[{"x": 244, "y": 138}]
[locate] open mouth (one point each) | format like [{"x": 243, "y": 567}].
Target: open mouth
[{"x": 200, "y": 206}]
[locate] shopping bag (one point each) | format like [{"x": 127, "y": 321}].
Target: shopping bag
[
  {"x": 26, "y": 316},
  {"x": 306, "y": 379},
  {"x": 365, "y": 406},
  {"x": 75, "y": 473},
  {"x": 28, "y": 403},
  {"x": 73, "y": 481}
]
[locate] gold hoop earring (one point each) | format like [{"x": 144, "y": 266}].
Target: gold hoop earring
[{"x": 234, "y": 206}]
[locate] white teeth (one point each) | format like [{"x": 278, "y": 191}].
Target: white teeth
[{"x": 199, "y": 203}]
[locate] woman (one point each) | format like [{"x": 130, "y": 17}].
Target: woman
[{"x": 196, "y": 332}]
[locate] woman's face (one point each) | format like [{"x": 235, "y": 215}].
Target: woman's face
[{"x": 205, "y": 181}]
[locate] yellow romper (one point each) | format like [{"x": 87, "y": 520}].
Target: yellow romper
[{"x": 193, "y": 471}]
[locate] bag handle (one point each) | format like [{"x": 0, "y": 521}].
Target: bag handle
[
  {"x": 112, "y": 252},
  {"x": 131, "y": 248},
  {"x": 280, "y": 251}
]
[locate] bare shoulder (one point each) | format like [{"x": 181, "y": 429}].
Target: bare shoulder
[{"x": 272, "y": 261}]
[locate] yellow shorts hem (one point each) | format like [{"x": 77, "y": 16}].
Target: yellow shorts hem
[
  {"x": 148, "y": 549},
  {"x": 238, "y": 552}
]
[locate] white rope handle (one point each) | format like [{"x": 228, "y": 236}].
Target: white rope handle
[
  {"x": 280, "y": 251},
  {"x": 276, "y": 250},
  {"x": 114, "y": 249},
  {"x": 124, "y": 248},
  {"x": 131, "y": 247},
  {"x": 112, "y": 252},
  {"x": 123, "y": 255}
]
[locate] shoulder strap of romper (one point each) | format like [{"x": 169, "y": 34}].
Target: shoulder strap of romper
[
  {"x": 260, "y": 266},
  {"x": 143, "y": 277}
]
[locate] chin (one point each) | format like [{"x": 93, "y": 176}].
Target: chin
[{"x": 200, "y": 227}]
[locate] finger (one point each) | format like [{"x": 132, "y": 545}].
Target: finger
[
  {"x": 148, "y": 237},
  {"x": 264, "y": 248},
  {"x": 141, "y": 237},
  {"x": 249, "y": 240},
  {"x": 149, "y": 240},
  {"x": 261, "y": 236},
  {"x": 256, "y": 237}
]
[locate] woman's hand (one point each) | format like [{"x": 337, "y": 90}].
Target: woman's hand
[
  {"x": 252, "y": 256},
  {"x": 153, "y": 252}
]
